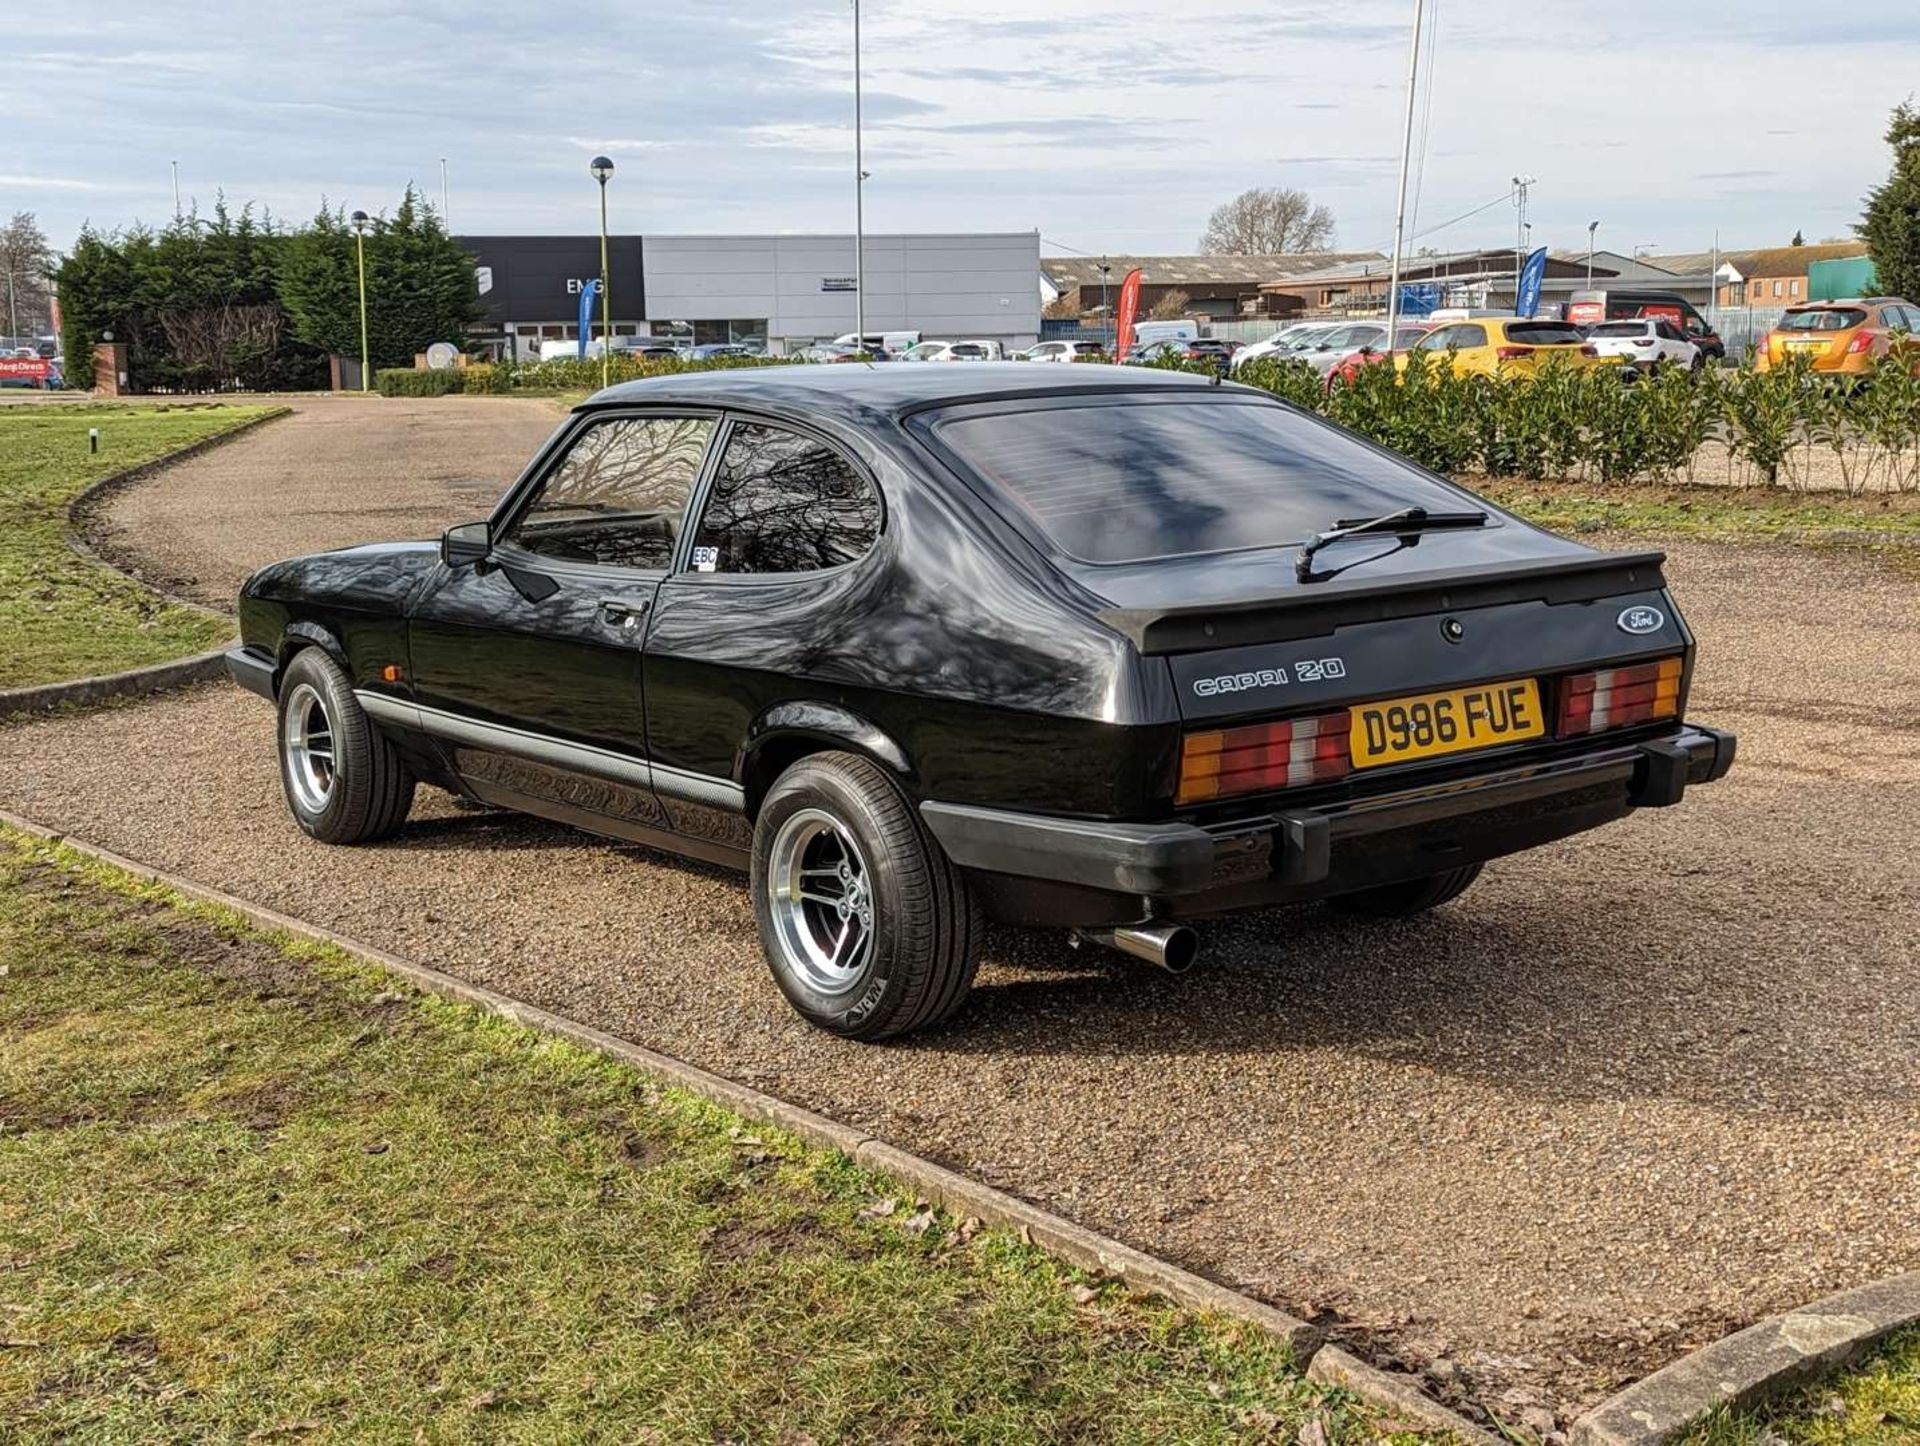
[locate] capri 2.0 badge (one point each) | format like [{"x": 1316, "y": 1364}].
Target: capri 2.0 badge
[{"x": 1641, "y": 619}]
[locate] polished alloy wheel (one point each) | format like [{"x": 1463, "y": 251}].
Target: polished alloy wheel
[
  {"x": 306, "y": 741},
  {"x": 821, "y": 898}
]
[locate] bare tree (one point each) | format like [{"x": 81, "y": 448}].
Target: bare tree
[
  {"x": 25, "y": 259},
  {"x": 1171, "y": 306},
  {"x": 1266, "y": 222}
]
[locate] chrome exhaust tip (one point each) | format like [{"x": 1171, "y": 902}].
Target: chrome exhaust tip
[{"x": 1172, "y": 947}]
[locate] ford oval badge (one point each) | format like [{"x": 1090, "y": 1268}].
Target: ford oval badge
[{"x": 1641, "y": 619}]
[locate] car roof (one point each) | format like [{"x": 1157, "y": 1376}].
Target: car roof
[{"x": 856, "y": 390}]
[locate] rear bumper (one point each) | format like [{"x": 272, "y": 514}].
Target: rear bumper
[
  {"x": 252, "y": 671},
  {"x": 1333, "y": 848}
]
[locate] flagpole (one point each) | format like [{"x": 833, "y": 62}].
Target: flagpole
[
  {"x": 1406, "y": 159},
  {"x": 859, "y": 203}
]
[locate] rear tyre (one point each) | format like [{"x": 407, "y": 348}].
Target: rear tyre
[
  {"x": 1404, "y": 900},
  {"x": 344, "y": 782},
  {"x": 868, "y": 927}
]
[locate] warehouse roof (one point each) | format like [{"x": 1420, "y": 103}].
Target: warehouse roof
[{"x": 1066, "y": 272}]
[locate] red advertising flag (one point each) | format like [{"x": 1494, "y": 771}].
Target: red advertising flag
[{"x": 1129, "y": 307}]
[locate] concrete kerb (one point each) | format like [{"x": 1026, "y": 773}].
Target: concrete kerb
[
  {"x": 81, "y": 506},
  {"x": 156, "y": 677},
  {"x": 1062, "y": 1238},
  {"x": 1745, "y": 1368}
]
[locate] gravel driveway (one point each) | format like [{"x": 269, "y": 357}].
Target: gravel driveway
[
  {"x": 1632, "y": 1089},
  {"x": 339, "y": 470}
]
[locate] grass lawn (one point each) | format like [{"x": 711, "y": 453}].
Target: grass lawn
[
  {"x": 248, "y": 1187},
  {"x": 1877, "y": 1403},
  {"x": 62, "y": 616}
]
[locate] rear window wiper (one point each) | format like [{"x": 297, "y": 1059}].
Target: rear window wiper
[{"x": 1406, "y": 524}]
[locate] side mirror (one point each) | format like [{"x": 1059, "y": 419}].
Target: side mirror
[{"x": 469, "y": 542}]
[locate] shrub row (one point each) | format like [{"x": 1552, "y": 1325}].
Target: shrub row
[{"x": 1774, "y": 427}]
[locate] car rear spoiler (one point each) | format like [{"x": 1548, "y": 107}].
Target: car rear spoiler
[{"x": 1306, "y": 611}]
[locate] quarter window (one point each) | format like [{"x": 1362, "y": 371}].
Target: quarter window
[
  {"x": 783, "y": 502},
  {"x": 618, "y": 495}
]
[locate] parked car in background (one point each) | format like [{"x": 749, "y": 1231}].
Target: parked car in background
[
  {"x": 954, "y": 351},
  {"x": 891, "y": 342},
  {"x": 1506, "y": 346},
  {"x": 1843, "y": 337},
  {"x": 1289, "y": 341},
  {"x": 833, "y": 351},
  {"x": 1066, "y": 351},
  {"x": 718, "y": 350},
  {"x": 644, "y": 348},
  {"x": 1201, "y": 349},
  {"x": 1590, "y": 308},
  {"x": 1372, "y": 352},
  {"x": 1329, "y": 349},
  {"x": 1646, "y": 345},
  {"x": 921, "y": 647}
]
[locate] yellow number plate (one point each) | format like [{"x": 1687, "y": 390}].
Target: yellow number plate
[{"x": 1429, "y": 724}]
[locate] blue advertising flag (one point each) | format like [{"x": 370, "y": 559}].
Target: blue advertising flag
[
  {"x": 1527, "y": 300},
  {"x": 588, "y": 292}
]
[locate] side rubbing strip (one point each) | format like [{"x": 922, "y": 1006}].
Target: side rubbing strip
[{"x": 556, "y": 752}]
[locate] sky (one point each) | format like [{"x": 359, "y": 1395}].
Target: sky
[{"x": 1106, "y": 125}]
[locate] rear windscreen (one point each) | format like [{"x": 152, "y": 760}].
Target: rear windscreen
[
  {"x": 1543, "y": 333},
  {"x": 1619, "y": 328},
  {"x": 1126, "y": 481},
  {"x": 1826, "y": 319}
]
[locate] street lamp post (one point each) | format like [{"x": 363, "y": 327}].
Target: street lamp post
[
  {"x": 1105, "y": 311},
  {"x": 360, "y": 220},
  {"x": 602, "y": 169},
  {"x": 1592, "y": 226},
  {"x": 859, "y": 203}
]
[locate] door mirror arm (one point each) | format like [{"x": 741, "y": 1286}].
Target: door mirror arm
[{"x": 467, "y": 543}]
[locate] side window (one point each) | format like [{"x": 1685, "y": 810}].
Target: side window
[
  {"x": 783, "y": 502},
  {"x": 1439, "y": 339},
  {"x": 1468, "y": 336},
  {"x": 618, "y": 495}
]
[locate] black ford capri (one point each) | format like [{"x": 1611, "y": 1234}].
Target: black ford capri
[{"x": 917, "y": 646}]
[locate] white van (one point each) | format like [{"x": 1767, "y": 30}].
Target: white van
[
  {"x": 892, "y": 341},
  {"x": 1151, "y": 331}
]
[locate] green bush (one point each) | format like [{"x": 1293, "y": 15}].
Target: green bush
[{"x": 414, "y": 382}]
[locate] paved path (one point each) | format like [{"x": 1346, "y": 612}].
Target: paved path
[
  {"x": 340, "y": 470},
  {"x": 1632, "y": 1089}
]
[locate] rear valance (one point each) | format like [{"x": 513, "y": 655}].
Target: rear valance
[{"x": 1305, "y": 612}]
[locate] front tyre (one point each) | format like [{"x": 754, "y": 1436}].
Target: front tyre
[
  {"x": 344, "y": 782},
  {"x": 868, "y": 927},
  {"x": 1413, "y": 896}
]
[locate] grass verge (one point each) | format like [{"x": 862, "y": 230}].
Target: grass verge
[
  {"x": 61, "y": 615},
  {"x": 1876, "y": 1403},
  {"x": 1705, "y": 513},
  {"x": 247, "y": 1187}
]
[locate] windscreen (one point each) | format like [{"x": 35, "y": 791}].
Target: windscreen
[{"x": 1128, "y": 481}]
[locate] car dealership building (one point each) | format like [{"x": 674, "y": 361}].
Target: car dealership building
[{"x": 781, "y": 292}]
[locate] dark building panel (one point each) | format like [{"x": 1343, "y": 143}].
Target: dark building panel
[{"x": 538, "y": 278}]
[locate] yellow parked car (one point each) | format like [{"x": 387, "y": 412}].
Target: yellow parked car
[
  {"x": 1508, "y": 346},
  {"x": 1848, "y": 337}
]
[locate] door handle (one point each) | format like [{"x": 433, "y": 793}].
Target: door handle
[{"x": 627, "y": 613}]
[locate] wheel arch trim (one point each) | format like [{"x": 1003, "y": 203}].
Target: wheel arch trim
[{"x": 827, "y": 724}]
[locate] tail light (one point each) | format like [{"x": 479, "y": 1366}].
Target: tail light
[
  {"x": 1591, "y": 350},
  {"x": 1265, "y": 756},
  {"x": 1862, "y": 341},
  {"x": 1616, "y": 697},
  {"x": 1513, "y": 353}
]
